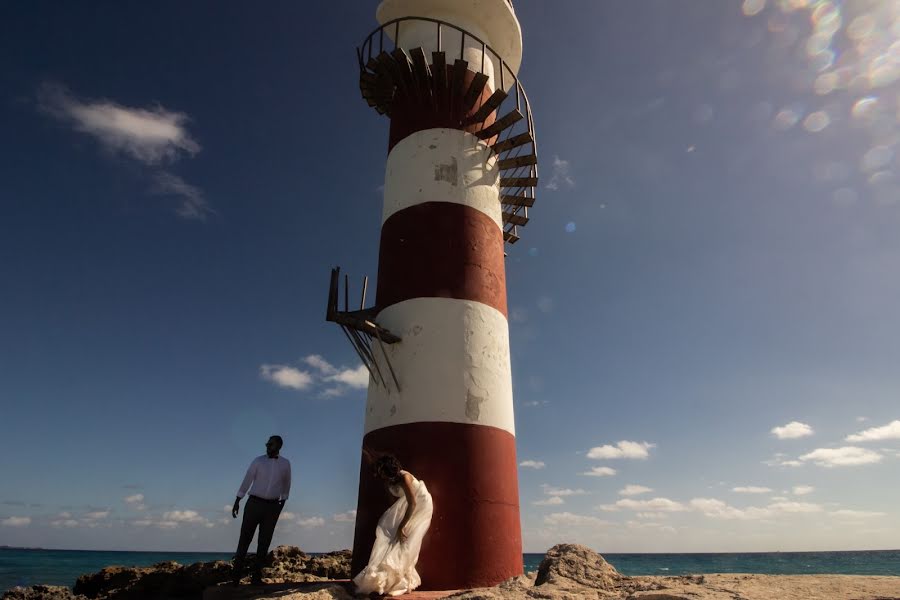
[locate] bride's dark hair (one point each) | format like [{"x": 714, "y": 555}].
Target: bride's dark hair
[{"x": 388, "y": 468}]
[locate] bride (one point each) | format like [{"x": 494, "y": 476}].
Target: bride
[{"x": 398, "y": 537}]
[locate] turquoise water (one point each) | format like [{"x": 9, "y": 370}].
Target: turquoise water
[{"x": 62, "y": 567}]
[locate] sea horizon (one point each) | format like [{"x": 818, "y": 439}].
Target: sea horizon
[{"x": 44, "y": 566}]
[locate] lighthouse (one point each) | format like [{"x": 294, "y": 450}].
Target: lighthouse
[{"x": 460, "y": 177}]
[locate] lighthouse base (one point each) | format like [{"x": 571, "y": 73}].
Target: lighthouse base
[{"x": 475, "y": 535}]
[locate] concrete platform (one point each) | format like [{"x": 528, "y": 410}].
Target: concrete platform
[{"x": 284, "y": 591}]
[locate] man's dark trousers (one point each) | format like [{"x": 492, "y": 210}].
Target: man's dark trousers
[{"x": 261, "y": 513}]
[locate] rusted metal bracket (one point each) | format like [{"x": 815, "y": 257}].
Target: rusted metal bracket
[{"x": 360, "y": 328}]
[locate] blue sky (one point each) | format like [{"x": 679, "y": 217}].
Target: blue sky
[{"x": 703, "y": 309}]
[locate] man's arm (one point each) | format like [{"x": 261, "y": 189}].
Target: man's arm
[
  {"x": 287, "y": 484},
  {"x": 245, "y": 485}
]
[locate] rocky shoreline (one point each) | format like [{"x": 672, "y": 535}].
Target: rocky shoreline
[{"x": 568, "y": 572}]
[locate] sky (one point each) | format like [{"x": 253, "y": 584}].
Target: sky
[{"x": 704, "y": 315}]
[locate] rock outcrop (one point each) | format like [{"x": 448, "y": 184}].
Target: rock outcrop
[
  {"x": 568, "y": 572},
  {"x": 284, "y": 564},
  {"x": 41, "y": 592}
]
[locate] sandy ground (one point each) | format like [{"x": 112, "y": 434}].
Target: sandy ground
[
  {"x": 709, "y": 587},
  {"x": 778, "y": 587}
]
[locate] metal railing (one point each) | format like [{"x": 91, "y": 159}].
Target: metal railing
[{"x": 375, "y": 44}]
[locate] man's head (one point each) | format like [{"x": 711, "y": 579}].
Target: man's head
[{"x": 274, "y": 445}]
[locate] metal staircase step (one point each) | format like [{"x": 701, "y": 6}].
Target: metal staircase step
[
  {"x": 474, "y": 92},
  {"x": 513, "y": 142},
  {"x": 514, "y": 182},
  {"x": 512, "y": 200},
  {"x": 458, "y": 78},
  {"x": 489, "y": 106},
  {"x": 519, "y": 161},
  {"x": 507, "y": 120},
  {"x": 509, "y": 236},
  {"x": 514, "y": 219}
]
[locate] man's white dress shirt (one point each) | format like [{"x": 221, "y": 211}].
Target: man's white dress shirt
[{"x": 270, "y": 478}]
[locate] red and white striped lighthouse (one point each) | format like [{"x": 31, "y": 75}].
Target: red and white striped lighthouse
[{"x": 460, "y": 176}]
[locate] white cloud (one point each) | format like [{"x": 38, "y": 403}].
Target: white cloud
[
  {"x": 794, "y": 507},
  {"x": 554, "y": 491},
  {"x": 856, "y": 515},
  {"x": 751, "y": 489},
  {"x": 802, "y": 490},
  {"x": 16, "y": 522},
  {"x": 846, "y": 456},
  {"x": 717, "y": 509},
  {"x": 532, "y": 464},
  {"x": 142, "y": 522},
  {"x": 623, "y": 449},
  {"x": 356, "y": 378},
  {"x": 891, "y": 431},
  {"x": 319, "y": 364},
  {"x": 335, "y": 381},
  {"x": 653, "y": 505},
  {"x": 794, "y": 429},
  {"x": 69, "y": 523},
  {"x": 651, "y": 515},
  {"x": 562, "y": 176},
  {"x": 345, "y": 517},
  {"x": 311, "y": 522},
  {"x": 96, "y": 515},
  {"x": 149, "y": 135},
  {"x": 183, "y": 516},
  {"x": 286, "y": 377},
  {"x": 193, "y": 202},
  {"x": 600, "y": 472},
  {"x": 551, "y": 501},
  {"x": 567, "y": 518},
  {"x": 634, "y": 490},
  {"x": 135, "y": 501}
]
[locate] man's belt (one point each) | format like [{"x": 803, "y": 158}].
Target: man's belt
[{"x": 266, "y": 500}]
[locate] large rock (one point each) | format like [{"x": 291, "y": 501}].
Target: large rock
[
  {"x": 41, "y": 592},
  {"x": 572, "y": 566}
]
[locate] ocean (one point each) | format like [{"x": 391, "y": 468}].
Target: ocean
[{"x": 62, "y": 567}]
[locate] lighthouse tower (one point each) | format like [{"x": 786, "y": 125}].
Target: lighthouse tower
[{"x": 460, "y": 178}]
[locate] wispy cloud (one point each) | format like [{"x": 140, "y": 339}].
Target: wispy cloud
[
  {"x": 846, "y": 456},
  {"x": 345, "y": 517},
  {"x": 634, "y": 490},
  {"x": 793, "y": 430},
  {"x": 317, "y": 372},
  {"x": 16, "y": 522},
  {"x": 561, "y": 176},
  {"x": 193, "y": 203},
  {"x": 623, "y": 449},
  {"x": 311, "y": 522},
  {"x": 135, "y": 501},
  {"x": 567, "y": 518},
  {"x": 532, "y": 464},
  {"x": 751, "y": 489},
  {"x": 802, "y": 490},
  {"x": 600, "y": 472},
  {"x": 653, "y": 505},
  {"x": 891, "y": 431},
  {"x": 153, "y": 136},
  {"x": 551, "y": 501},
  {"x": 555, "y": 491}
]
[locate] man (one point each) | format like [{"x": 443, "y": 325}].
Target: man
[{"x": 270, "y": 478}]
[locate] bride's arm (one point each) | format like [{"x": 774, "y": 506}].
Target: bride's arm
[{"x": 406, "y": 484}]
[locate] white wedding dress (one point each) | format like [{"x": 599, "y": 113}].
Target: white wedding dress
[{"x": 392, "y": 564}]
